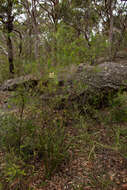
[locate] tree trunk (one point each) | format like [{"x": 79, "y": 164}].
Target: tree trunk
[
  {"x": 9, "y": 28},
  {"x": 37, "y": 41},
  {"x": 111, "y": 30},
  {"x": 36, "y": 30},
  {"x": 10, "y": 54}
]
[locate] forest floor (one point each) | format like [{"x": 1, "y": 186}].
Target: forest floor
[
  {"x": 98, "y": 160},
  {"x": 96, "y": 164}
]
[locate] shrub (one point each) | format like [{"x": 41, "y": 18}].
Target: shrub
[
  {"x": 44, "y": 139},
  {"x": 53, "y": 147},
  {"x": 118, "y": 112},
  {"x": 12, "y": 173}
]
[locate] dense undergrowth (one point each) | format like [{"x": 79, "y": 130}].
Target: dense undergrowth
[{"x": 39, "y": 132}]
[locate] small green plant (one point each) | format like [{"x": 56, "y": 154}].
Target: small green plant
[
  {"x": 12, "y": 173},
  {"x": 118, "y": 112},
  {"x": 102, "y": 181},
  {"x": 120, "y": 140}
]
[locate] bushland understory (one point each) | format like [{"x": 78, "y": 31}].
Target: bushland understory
[{"x": 60, "y": 142}]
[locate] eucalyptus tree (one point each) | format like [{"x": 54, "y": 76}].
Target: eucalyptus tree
[
  {"x": 113, "y": 17},
  {"x": 79, "y": 15},
  {"x": 9, "y": 9},
  {"x": 7, "y": 18},
  {"x": 32, "y": 14},
  {"x": 82, "y": 17},
  {"x": 52, "y": 15}
]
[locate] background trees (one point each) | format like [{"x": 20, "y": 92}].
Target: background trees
[{"x": 41, "y": 31}]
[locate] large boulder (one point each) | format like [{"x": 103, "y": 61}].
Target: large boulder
[
  {"x": 12, "y": 84},
  {"x": 108, "y": 75},
  {"x": 83, "y": 81},
  {"x": 93, "y": 83}
]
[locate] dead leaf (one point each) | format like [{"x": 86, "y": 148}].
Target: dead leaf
[{"x": 124, "y": 187}]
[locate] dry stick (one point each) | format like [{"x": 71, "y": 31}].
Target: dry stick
[{"x": 21, "y": 120}]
